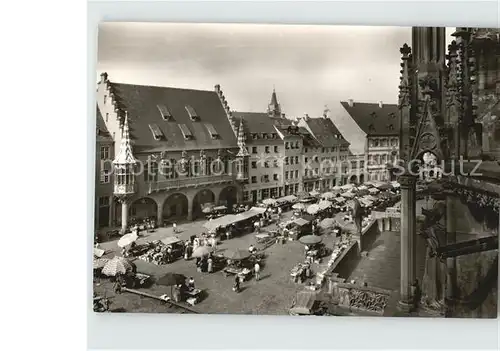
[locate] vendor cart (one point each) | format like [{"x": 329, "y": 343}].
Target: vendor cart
[
  {"x": 243, "y": 273},
  {"x": 177, "y": 246},
  {"x": 300, "y": 272}
]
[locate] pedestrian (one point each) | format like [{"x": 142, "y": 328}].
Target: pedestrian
[
  {"x": 190, "y": 284},
  {"x": 236, "y": 286},
  {"x": 257, "y": 271},
  {"x": 210, "y": 268},
  {"x": 174, "y": 227},
  {"x": 213, "y": 242}
]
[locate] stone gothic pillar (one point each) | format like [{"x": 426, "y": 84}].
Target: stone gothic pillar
[
  {"x": 125, "y": 206},
  {"x": 190, "y": 208},
  {"x": 159, "y": 214},
  {"x": 451, "y": 238},
  {"x": 408, "y": 239}
]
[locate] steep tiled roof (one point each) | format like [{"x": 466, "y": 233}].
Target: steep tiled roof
[
  {"x": 325, "y": 132},
  {"x": 102, "y": 131},
  {"x": 255, "y": 122},
  {"x": 147, "y": 104},
  {"x": 373, "y": 119},
  {"x": 308, "y": 140}
]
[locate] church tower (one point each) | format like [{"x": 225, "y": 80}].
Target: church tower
[{"x": 274, "y": 108}]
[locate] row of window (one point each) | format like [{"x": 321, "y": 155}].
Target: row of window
[
  {"x": 267, "y": 149},
  {"x": 292, "y": 145},
  {"x": 326, "y": 149},
  {"x": 290, "y": 174},
  {"x": 264, "y": 178},
  {"x": 383, "y": 142},
  {"x": 381, "y": 159}
]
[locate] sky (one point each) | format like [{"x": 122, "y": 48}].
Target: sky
[{"x": 312, "y": 67}]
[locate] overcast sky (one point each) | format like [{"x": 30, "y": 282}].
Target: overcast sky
[{"x": 310, "y": 66}]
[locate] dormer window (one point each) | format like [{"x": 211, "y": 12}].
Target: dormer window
[
  {"x": 371, "y": 128},
  {"x": 212, "y": 131},
  {"x": 192, "y": 113},
  {"x": 255, "y": 136},
  {"x": 373, "y": 115},
  {"x": 165, "y": 113},
  {"x": 392, "y": 115},
  {"x": 390, "y": 127},
  {"x": 185, "y": 132},
  {"x": 157, "y": 133}
]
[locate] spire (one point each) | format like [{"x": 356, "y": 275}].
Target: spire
[
  {"x": 241, "y": 141},
  {"x": 125, "y": 155},
  {"x": 274, "y": 108}
]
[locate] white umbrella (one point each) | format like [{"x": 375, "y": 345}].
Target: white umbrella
[
  {"x": 324, "y": 204},
  {"x": 299, "y": 206},
  {"x": 127, "y": 239},
  {"x": 328, "y": 195},
  {"x": 314, "y": 193},
  {"x": 269, "y": 202},
  {"x": 313, "y": 209},
  {"x": 348, "y": 194}
]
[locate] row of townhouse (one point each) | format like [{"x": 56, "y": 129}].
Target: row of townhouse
[{"x": 164, "y": 152}]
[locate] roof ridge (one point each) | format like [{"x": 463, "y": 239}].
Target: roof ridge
[{"x": 163, "y": 87}]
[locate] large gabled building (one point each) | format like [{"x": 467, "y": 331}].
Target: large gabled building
[
  {"x": 182, "y": 150},
  {"x": 372, "y": 130}
]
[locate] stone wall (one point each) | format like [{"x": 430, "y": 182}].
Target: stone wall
[
  {"x": 370, "y": 234},
  {"x": 477, "y": 285},
  {"x": 347, "y": 263}
]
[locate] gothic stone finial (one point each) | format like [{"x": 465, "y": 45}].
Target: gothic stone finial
[{"x": 405, "y": 50}]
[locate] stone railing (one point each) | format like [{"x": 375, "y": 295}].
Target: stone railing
[
  {"x": 187, "y": 182},
  {"x": 356, "y": 298}
]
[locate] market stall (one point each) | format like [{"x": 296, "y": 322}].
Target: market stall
[
  {"x": 238, "y": 264},
  {"x": 301, "y": 272}
]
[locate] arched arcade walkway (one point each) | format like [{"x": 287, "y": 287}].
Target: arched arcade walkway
[
  {"x": 202, "y": 197},
  {"x": 175, "y": 207}
]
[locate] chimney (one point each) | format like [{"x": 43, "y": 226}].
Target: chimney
[
  {"x": 104, "y": 77},
  {"x": 380, "y": 104},
  {"x": 217, "y": 88},
  {"x": 283, "y": 115},
  {"x": 351, "y": 102}
]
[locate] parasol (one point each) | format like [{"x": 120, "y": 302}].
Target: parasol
[
  {"x": 236, "y": 255},
  {"x": 117, "y": 265},
  {"x": 313, "y": 209},
  {"x": 171, "y": 279},
  {"x": 127, "y": 239},
  {"x": 99, "y": 263},
  {"x": 299, "y": 206},
  {"x": 202, "y": 251},
  {"x": 269, "y": 202},
  {"x": 324, "y": 204},
  {"x": 310, "y": 239},
  {"x": 314, "y": 193},
  {"x": 327, "y": 223}
]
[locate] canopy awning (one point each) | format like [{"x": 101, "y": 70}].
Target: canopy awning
[
  {"x": 300, "y": 221},
  {"x": 170, "y": 240},
  {"x": 220, "y": 222},
  {"x": 348, "y": 195},
  {"x": 347, "y": 186},
  {"x": 288, "y": 198},
  {"x": 324, "y": 204},
  {"x": 314, "y": 193}
]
